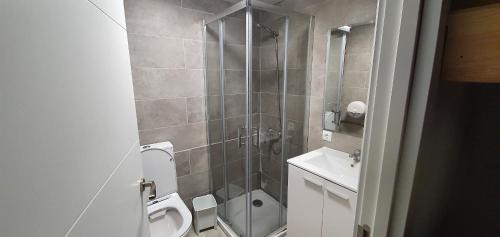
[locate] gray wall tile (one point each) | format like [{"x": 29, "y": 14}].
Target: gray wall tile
[
  {"x": 212, "y": 6},
  {"x": 152, "y": 83},
  {"x": 156, "y": 52},
  {"x": 268, "y": 80},
  {"x": 182, "y": 166},
  {"x": 270, "y": 186},
  {"x": 161, "y": 113},
  {"x": 215, "y": 151},
  {"x": 193, "y": 54},
  {"x": 196, "y": 109},
  {"x": 296, "y": 107},
  {"x": 271, "y": 167},
  {"x": 199, "y": 159},
  {"x": 183, "y": 137},
  {"x": 234, "y": 56},
  {"x": 213, "y": 81},
  {"x": 359, "y": 79},
  {"x": 162, "y": 18},
  {"x": 270, "y": 104},
  {"x": 235, "y": 31},
  {"x": 235, "y": 82},
  {"x": 297, "y": 79},
  {"x": 215, "y": 128},
  {"x": 357, "y": 62},
  {"x": 193, "y": 185}
]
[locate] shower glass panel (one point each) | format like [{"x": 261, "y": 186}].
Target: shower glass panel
[{"x": 256, "y": 76}]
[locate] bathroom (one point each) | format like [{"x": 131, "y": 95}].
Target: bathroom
[{"x": 284, "y": 117}]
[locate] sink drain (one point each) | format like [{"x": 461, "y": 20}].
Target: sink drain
[{"x": 257, "y": 203}]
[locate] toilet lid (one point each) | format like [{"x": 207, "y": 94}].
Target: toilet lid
[{"x": 159, "y": 166}]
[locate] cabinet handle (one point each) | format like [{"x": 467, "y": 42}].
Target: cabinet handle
[
  {"x": 313, "y": 182},
  {"x": 340, "y": 195}
]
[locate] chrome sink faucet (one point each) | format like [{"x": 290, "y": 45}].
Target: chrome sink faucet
[{"x": 356, "y": 155}]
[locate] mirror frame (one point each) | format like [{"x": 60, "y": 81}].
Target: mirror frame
[
  {"x": 340, "y": 74},
  {"x": 347, "y": 29}
]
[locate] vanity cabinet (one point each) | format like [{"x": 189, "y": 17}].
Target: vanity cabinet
[{"x": 318, "y": 207}]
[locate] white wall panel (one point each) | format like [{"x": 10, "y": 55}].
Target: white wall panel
[{"x": 67, "y": 114}]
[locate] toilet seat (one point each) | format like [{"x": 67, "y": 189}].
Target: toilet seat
[{"x": 172, "y": 202}]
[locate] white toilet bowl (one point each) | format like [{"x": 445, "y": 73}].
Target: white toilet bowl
[
  {"x": 169, "y": 217},
  {"x": 167, "y": 213}
]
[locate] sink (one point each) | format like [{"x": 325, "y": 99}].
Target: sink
[{"x": 330, "y": 164}]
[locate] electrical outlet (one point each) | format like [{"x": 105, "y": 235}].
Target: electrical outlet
[{"x": 327, "y": 135}]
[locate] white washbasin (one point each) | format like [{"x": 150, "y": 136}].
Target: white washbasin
[{"x": 333, "y": 165}]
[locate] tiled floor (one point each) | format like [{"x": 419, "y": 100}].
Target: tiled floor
[{"x": 208, "y": 233}]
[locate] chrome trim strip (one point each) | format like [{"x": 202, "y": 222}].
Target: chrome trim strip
[
  {"x": 232, "y": 9},
  {"x": 341, "y": 74},
  {"x": 222, "y": 82},
  {"x": 248, "y": 119},
  {"x": 284, "y": 119}
]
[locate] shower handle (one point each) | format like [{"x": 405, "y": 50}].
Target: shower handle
[
  {"x": 241, "y": 137},
  {"x": 256, "y": 133},
  {"x": 241, "y": 141}
]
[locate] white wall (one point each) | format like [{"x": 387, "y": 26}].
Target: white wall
[{"x": 68, "y": 135}]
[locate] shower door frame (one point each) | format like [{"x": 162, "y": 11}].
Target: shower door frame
[{"x": 249, "y": 5}]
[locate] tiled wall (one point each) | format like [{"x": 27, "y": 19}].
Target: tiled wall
[
  {"x": 165, "y": 40},
  {"x": 331, "y": 14}
]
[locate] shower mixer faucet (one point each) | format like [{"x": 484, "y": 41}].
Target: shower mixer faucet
[{"x": 272, "y": 134}]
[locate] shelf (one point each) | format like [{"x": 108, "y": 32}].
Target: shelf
[{"x": 472, "y": 49}]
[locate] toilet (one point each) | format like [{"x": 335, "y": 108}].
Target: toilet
[{"x": 167, "y": 213}]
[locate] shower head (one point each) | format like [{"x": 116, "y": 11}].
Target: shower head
[{"x": 268, "y": 29}]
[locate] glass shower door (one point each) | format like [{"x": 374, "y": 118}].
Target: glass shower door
[
  {"x": 256, "y": 114},
  {"x": 229, "y": 111}
]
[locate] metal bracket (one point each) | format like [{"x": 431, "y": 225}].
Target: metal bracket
[{"x": 151, "y": 184}]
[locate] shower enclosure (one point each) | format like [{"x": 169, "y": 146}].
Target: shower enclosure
[{"x": 256, "y": 75}]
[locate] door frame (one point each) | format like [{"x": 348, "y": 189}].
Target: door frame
[
  {"x": 406, "y": 61},
  {"x": 426, "y": 77},
  {"x": 391, "y": 76}
]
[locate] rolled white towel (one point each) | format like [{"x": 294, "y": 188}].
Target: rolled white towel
[{"x": 356, "y": 109}]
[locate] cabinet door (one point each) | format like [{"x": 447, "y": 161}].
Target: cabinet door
[
  {"x": 305, "y": 203},
  {"x": 339, "y": 211}
]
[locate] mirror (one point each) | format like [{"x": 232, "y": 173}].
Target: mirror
[{"x": 348, "y": 64}]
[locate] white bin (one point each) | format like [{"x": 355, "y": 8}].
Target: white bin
[{"x": 205, "y": 212}]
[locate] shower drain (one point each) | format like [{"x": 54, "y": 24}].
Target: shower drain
[{"x": 257, "y": 203}]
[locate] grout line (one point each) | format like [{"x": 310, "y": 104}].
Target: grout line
[
  {"x": 134, "y": 146},
  {"x": 189, "y": 162},
  {"x": 184, "y": 53},
  {"x": 187, "y": 111},
  {"x": 175, "y": 126},
  {"x": 167, "y": 98},
  {"x": 189, "y": 149},
  {"x": 161, "y": 36},
  {"x": 165, "y": 68}
]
